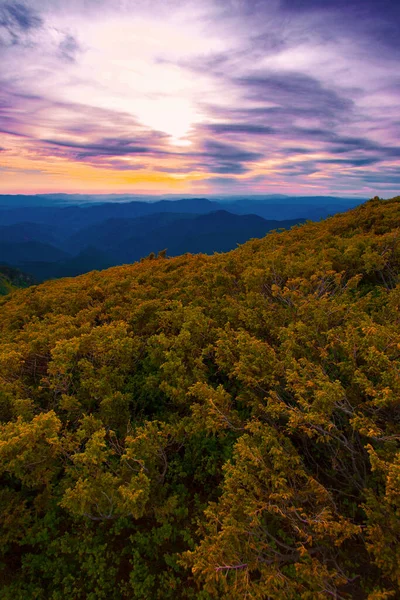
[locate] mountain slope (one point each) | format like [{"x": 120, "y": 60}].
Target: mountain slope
[
  {"x": 214, "y": 232},
  {"x": 112, "y": 232},
  {"x": 209, "y": 427},
  {"x": 12, "y": 279},
  {"x": 88, "y": 259},
  {"x": 29, "y": 232},
  {"x": 16, "y": 253}
]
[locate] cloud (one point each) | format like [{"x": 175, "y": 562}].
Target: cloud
[
  {"x": 268, "y": 95},
  {"x": 218, "y": 157},
  {"x": 296, "y": 150},
  {"x": 370, "y": 25},
  {"x": 354, "y": 162},
  {"x": 69, "y": 48},
  {"x": 386, "y": 177},
  {"x": 221, "y": 181},
  {"x": 15, "y": 15},
  {"x": 298, "y": 169},
  {"x": 16, "y": 21},
  {"x": 239, "y": 128},
  {"x": 282, "y": 88},
  {"x": 221, "y": 151},
  {"x": 229, "y": 168},
  {"x": 106, "y": 147}
]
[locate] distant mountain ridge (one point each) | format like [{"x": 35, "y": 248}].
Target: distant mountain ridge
[
  {"x": 52, "y": 242},
  {"x": 61, "y": 199},
  {"x": 59, "y": 238}
]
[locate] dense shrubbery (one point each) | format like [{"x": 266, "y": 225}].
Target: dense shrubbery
[
  {"x": 209, "y": 427},
  {"x": 12, "y": 279}
]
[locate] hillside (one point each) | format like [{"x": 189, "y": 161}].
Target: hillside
[
  {"x": 29, "y": 232},
  {"x": 218, "y": 231},
  {"x": 209, "y": 427},
  {"x": 110, "y": 232},
  {"x": 16, "y": 253},
  {"x": 12, "y": 279}
]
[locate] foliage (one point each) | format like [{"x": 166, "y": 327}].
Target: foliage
[
  {"x": 11, "y": 279},
  {"x": 207, "y": 427}
]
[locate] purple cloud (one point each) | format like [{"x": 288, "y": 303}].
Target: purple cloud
[{"x": 247, "y": 93}]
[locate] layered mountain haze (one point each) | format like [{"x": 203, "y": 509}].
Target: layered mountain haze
[{"x": 67, "y": 240}]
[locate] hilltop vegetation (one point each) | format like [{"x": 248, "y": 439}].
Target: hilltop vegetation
[{"x": 209, "y": 427}]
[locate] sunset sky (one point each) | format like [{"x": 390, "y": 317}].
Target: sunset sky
[{"x": 229, "y": 96}]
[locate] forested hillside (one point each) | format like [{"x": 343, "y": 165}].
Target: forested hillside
[
  {"x": 11, "y": 279},
  {"x": 209, "y": 427}
]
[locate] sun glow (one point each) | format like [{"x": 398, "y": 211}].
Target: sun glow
[
  {"x": 173, "y": 116},
  {"x": 130, "y": 65}
]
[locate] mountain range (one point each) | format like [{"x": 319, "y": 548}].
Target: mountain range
[{"x": 60, "y": 235}]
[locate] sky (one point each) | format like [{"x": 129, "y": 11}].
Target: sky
[{"x": 201, "y": 97}]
